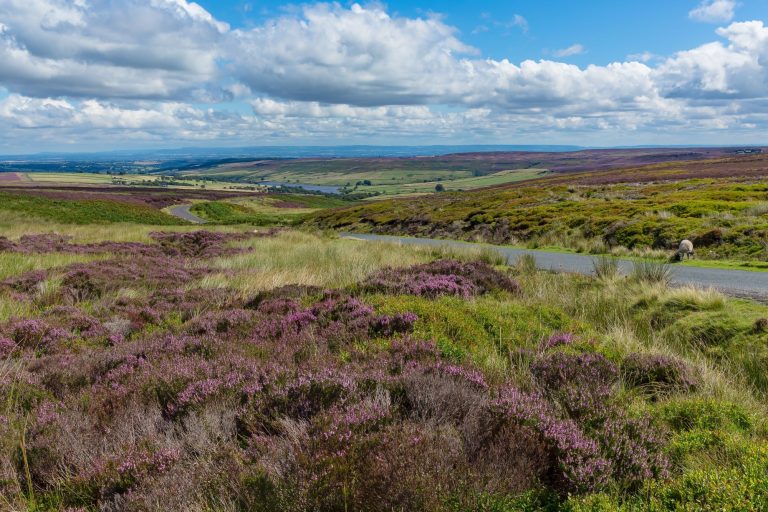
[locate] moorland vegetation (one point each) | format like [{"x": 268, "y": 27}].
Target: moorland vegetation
[{"x": 146, "y": 367}]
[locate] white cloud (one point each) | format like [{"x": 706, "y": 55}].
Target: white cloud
[
  {"x": 106, "y": 70},
  {"x": 361, "y": 56},
  {"x": 521, "y": 22},
  {"x": 101, "y": 48},
  {"x": 642, "y": 57},
  {"x": 574, "y": 49},
  {"x": 713, "y": 11},
  {"x": 715, "y": 70}
]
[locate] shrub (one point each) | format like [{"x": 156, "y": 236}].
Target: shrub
[
  {"x": 658, "y": 373},
  {"x": 36, "y": 334},
  {"x": 558, "y": 339},
  {"x": 444, "y": 277}
]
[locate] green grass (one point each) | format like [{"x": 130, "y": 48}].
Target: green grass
[
  {"x": 268, "y": 210},
  {"x": 83, "y": 211},
  {"x": 470, "y": 183}
]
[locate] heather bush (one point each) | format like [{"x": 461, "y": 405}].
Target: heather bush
[
  {"x": 584, "y": 386},
  {"x": 7, "y": 347},
  {"x": 36, "y": 334},
  {"x": 558, "y": 339},
  {"x": 444, "y": 277},
  {"x": 199, "y": 244},
  {"x": 89, "y": 281},
  {"x": 658, "y": 373}
]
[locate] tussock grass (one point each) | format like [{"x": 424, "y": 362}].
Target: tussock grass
[
  {"x": 12, "y": 264},
  {"x": 605, "y": 267},
  {"x": 307, "y": 259},
  {"x": 651, "y": 272}
]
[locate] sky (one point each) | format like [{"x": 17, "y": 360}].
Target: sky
[{"x": 85, "y": 75}]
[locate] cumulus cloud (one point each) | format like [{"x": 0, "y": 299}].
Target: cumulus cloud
[
  {"x": 574, "y": 49},
  {"x": 361, "y": 56},
  {"x": 101, "y": 48},
  {"x": 713, "y": 11},
  {"x": 735, "y": 70},
  {"x": 320, "y": 73}
]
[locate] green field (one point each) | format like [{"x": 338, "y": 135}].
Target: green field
[
  {"x": 414, "y": 176},
  {"x": 80, "y": 210},
  {"x": 142, "y": 180},
  {"x": 458, "y": 184},
  {"x": 269, "y": 210}
]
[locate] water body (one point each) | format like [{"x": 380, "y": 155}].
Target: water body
[{"x": 326, "y": 189}]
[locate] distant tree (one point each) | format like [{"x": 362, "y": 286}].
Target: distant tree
[
  {"x": 439, "y": 188},
  {"x": 367, "y": 183}
]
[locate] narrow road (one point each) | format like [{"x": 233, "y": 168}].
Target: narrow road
[
  {"x": 182, "y": 211},
  {"x": 739, "y": 283}
]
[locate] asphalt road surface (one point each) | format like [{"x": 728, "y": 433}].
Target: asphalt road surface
[
  {"x": 182, "y": 211},
  {"x": 739, "y": 283}
]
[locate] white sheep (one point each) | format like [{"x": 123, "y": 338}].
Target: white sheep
[{"x": 685, "y": 249}]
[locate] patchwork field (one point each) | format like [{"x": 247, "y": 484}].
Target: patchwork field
[
  {"x": 283, "y": 370},
  {"x": 397, "y": 176}
]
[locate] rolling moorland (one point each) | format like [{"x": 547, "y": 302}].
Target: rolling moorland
[
  {"x": 148, "y": 364},
  {"x": 461, "y": 171},
  {"x": 720, "y": 204}
]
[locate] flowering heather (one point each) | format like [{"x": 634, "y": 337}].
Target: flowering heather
[
  {"x": 296, "y": 399},
  {"x": 557, "y": 340},
  {"x": 337, "y": 319},
  {"x": 292, "y": 292},
  {"x": 443, "y": 277},
  {"x": 658, "y": 373},
  {"x": 88, "y": 281},
  {"x": 36, "y": 334},
  {"x": 27, "y": 282},
  {"x": 7, "y": 347},
  {"x": 580, "y": 383},
  {"x": 199, "y": 244}
]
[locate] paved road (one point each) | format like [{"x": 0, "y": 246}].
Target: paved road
[
  {"x": 182, "y": 211},
  {"x": 740, "y": 283}
]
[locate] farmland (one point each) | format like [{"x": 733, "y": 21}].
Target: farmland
[{"x": 409, "y": 175}]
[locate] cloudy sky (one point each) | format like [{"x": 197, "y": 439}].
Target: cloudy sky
[{"x": 108, "y": 74}]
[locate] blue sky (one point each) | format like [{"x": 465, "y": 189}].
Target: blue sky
[
  {"x": 77, "y": 75},
  {"x": 609, "y": 30}
]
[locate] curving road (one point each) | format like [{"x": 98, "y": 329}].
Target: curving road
[
  {"x": 182, "y": 211},
  {"x": 739, "y": 283}
]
